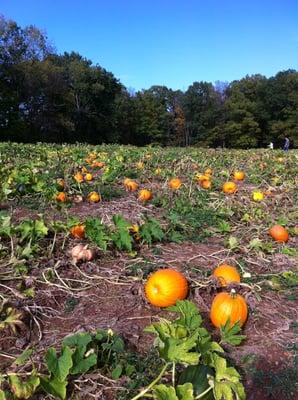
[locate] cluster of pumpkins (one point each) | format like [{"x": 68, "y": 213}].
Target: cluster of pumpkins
[
  {"x": 165, "y": 286},
  {"x": 79, "y": 177}
]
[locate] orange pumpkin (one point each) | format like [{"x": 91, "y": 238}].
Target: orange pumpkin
[
  {"x": 131, "y": 185},
  {"x": 78, "y": 177},
  {"x": 228, "y": 306},
  {"x": 201, "y": 178},
  {"x": 145, "y": 195},
  {"x": 175, "y": 183},
  {"x": 61, "y": 197},
  {"x": 229, "y": 187},
  {"x": 239, "y": 175},
  {"x": 94, "y": 197},
  {"x": 226, "y": 274},
  {"x": 88, "y": 177},
  {"x": 279, "y": 233},
  {"x": 165, "y": 286},
  {"x": 78, "y": 231},
  {"x": 206, "y": 184},
  {"x": 126, "y": 181}
]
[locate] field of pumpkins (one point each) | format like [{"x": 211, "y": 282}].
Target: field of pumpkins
[{"x": 134, "y": 273}]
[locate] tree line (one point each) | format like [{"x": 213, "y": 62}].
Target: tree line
[{"x": 50, "y": 97}]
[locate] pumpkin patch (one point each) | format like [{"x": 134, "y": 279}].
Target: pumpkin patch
[{"x": 126, "y": 238}]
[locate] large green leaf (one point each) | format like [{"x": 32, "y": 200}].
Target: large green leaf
[
  {"x": 189, "y": 314},
  {"x": 59, "y": 367},
  {"x": 121, "y": 237}
]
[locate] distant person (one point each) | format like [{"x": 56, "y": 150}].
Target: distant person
[
  {"x": 286, "y": 144},
  {"x": 270, "y": 146}
]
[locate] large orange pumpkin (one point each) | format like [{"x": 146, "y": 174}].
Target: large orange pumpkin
[
  {"x": 279, "y": 233},
  {"x": 145, "y": 195},
  {"x": 165, "y": 286},
  {"x": 229, "y": 187},
  {"x": 175, "y": 183},
  {"x": 239, "y": 175},
  {"x": 78, "y": 231},
  {"x": 226, "y": 274},
  {"x": 228, "y": 306}
]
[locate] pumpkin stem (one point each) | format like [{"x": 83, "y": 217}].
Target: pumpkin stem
[{"x": 233, "y": 293}]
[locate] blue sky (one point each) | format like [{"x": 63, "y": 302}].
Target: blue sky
[{"x": 170, "y": 42}]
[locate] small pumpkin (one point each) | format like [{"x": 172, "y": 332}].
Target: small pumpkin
[
  {"x": 78, "y": 231},
  {"x": 208, "y": 172},
  {"x": 239, "y": 175},
  {"x": 94, "y": 197},
  {"x": 206, "y": 184},
  {"x": 78, "y": 177},
  {"x": 88, "y": 177},
  {"x": 228, "y": 306},
  {"x": 81, "y": 253},
  {"x": 175, "y": 183},
  {"x": 201, "y": 178},
  {"x": 165, "y": 286},
  {"x": 61, "y": 197},
  {"x": 279, "y": 233},
  {"x": 145, "y": 195},
  {"x": 226, "y": 274},
  {"x": 98, "y": 164},
  {"x": 229, "y": 187},
  {"x": 131, "y": 185}
]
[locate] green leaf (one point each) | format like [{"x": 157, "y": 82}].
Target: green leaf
[
  {"x": 5, "y": 225},
  {"x": 151, "y": 231},
  {"x": 230, "y": 334},
  {"x": 2, "y": 395},
  {"x": 190, "y": 317},
  {"x": 185, "y": 392},
  {"x": 97, "y": 233},
  {"x": 23, "y": 389},
  {"x": 59, "y": 367},
  {"x": 117, "y": 371},
  {"x": 178, "y": 350},
  {"x": 26, "y": 229},
  {"x": 226, "y": 381},
  {"x": 163, "y": 392},
  {"x": 54, "y": 387},
  {"x": 222, "y": 391},
  {"x": 78, "y": 343},
  {"x": 22, "y": 358},
  {"x": 121, "y": 237},
  {"x": 40, "y": 229},
  {"x": 182, "y": 392},
  {"x": 199, "y": 376},
  {"x": 12, "y": 320}
]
